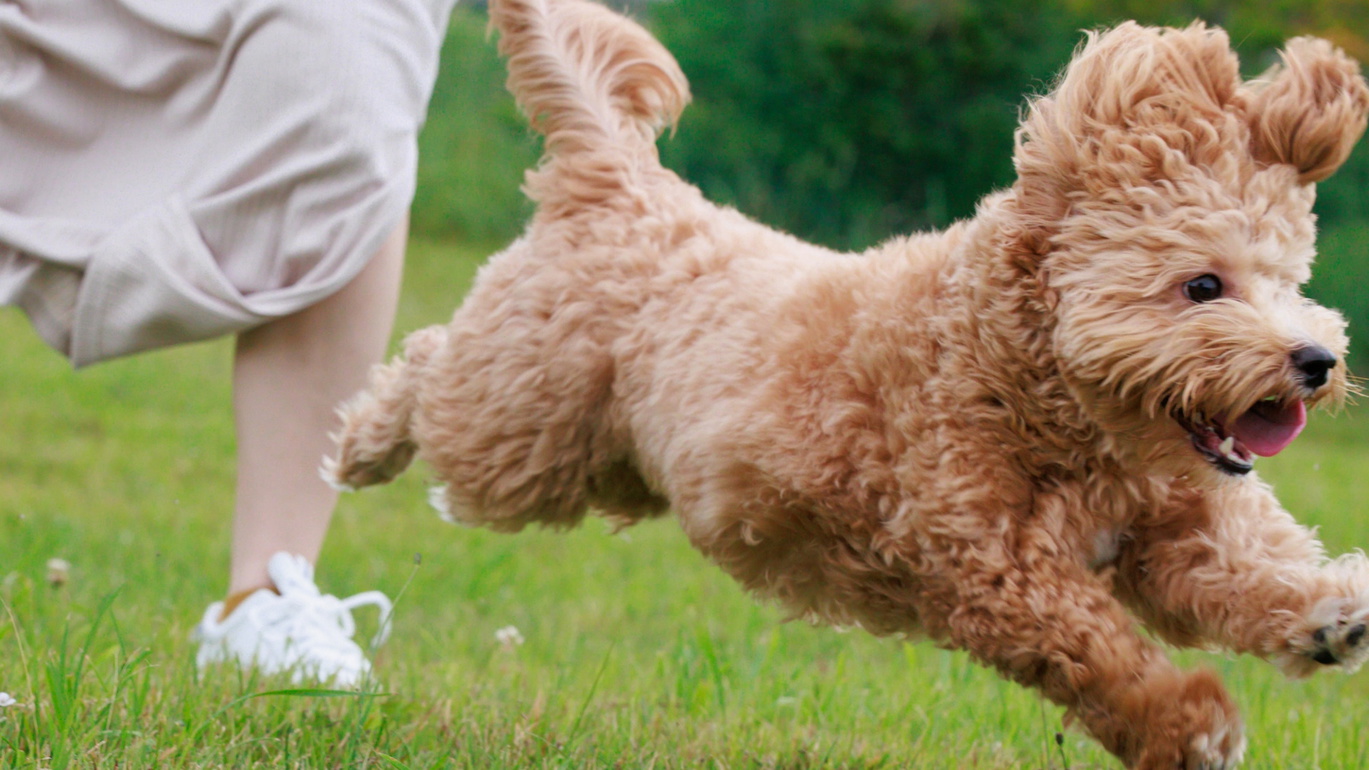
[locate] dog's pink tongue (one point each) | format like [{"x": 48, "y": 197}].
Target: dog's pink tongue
[{"x": 1267, "y": 430}]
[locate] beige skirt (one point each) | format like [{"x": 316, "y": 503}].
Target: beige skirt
[{"x": 174, "y": 171}]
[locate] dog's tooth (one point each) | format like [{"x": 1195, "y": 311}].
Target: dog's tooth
[{"x": 1228, "y": 446}]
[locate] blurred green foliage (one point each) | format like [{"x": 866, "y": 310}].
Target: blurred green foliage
[
  {"x": 849, "y": 121},
  {"x": 846, "y": 121},
  {"x": 475, "y": 145}
]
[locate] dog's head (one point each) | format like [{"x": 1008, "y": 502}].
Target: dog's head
[{"x": 1171, "y": 206}]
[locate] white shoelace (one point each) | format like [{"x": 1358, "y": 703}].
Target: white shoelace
[
  {"x": 325, "y": 621},
  {"x": 376, "y": 599}
]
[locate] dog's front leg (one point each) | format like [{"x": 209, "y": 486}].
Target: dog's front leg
[
  {"x": 1023, "y": 603},
  {"x": 1231, "y": 567}
]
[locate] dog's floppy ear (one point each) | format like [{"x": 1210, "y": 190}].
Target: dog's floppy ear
[
  {"x": 1125, "y": 89},
  {"x": 1309, "y": 111}
]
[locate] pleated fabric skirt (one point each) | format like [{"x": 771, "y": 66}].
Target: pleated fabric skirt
[{"x": 175, "y": 170}]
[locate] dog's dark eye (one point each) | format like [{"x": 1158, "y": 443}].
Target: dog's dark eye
[{"x": 1204, "y": 288}]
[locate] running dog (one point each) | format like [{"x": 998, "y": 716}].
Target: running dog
[{"x": 1022, "y": 437}]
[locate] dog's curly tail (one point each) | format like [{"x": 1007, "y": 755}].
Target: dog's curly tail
[
  {"x": 597, "y": 85},
  {"x": 374, "y": 443}
]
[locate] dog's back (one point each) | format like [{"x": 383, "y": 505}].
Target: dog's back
[
  {"x": 637, "y": 340},
  {"x": 510, "y": 403}
]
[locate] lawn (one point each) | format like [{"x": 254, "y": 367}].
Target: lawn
[{"x": 637, "y": 653}]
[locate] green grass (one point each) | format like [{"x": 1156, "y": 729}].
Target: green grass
[{"x": 638, "y": 653}]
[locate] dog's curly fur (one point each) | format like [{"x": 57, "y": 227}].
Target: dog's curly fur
[{"x": 1002, "y": 436}]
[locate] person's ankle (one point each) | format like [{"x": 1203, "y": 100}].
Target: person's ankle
[{"x": 236, "y": 598}]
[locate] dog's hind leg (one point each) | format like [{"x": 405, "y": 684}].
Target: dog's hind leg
[
  {"x": 517, "y": 427},
  {"x": 513, "y": 437},
  {"x": 374, "y": 443}
]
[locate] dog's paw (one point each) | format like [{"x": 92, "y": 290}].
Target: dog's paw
[
  {"x": 1191, "y": 725},
  {"x": 1336, "y": 634},
  {"x": 328, "y": 471},
  {"x": 1340, "y": 645},
  {"x": 1221, "y": 747}
]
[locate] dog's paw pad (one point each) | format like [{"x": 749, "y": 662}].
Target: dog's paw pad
[{"x": 1342, "y": 644}]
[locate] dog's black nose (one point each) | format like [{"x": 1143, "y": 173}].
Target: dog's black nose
[{"x": 1315, "y": 363}]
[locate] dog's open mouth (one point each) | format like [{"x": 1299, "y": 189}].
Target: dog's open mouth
[{"x": 1267, "y": 429}]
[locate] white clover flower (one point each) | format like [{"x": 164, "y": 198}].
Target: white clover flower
[
  {"x": 7, "y": 700},
  {"x": 509, "y": 637},
  {"x": 59, "y": 571}
]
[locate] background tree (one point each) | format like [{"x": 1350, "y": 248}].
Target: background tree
[{"x": 847, "y": 121}]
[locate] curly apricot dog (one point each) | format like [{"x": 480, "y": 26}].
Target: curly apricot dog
[{"x": 1015, "y": 437}]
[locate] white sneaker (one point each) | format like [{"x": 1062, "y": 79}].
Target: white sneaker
[{"x": 299, "y": 630}]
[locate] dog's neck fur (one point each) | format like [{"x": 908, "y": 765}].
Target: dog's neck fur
[
  {"x": 996, "y": 280},
  {"x": 991, "y": 287}
]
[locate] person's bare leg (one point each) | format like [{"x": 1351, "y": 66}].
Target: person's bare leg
[{"x": 288, "y": 378}]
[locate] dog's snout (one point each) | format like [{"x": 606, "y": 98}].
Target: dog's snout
[{"x": 1315, "y": 363}]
